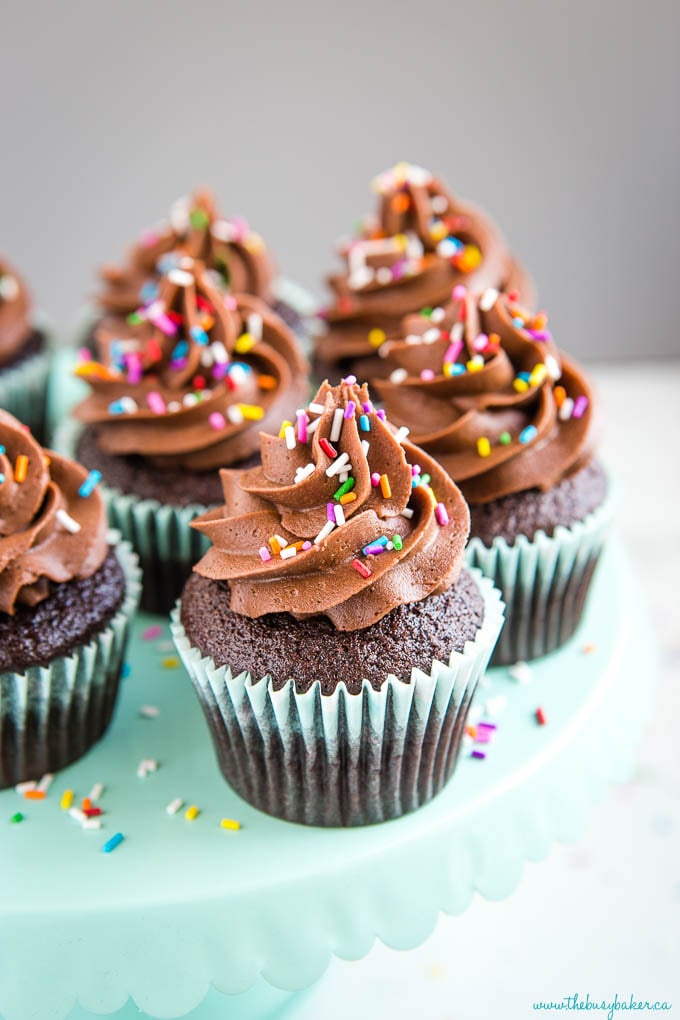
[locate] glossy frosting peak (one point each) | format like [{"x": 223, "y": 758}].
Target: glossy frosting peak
[
  {"x": 15, "y": 312},
  {"x": 344, "y": 518},
  {"x": 193, "y": 376},
  {"x": 48, "y": 531}
]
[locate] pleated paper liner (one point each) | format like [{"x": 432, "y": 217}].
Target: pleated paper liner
[
  {"x": 23, "y": 387},
  {"x": 342, "y": 759},
  {"x": 160, "y": 533},
  {"x": 51, "y": 715},
  {"x": 544, "y": 583}
]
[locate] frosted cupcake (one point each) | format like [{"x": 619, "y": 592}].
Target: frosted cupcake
[
  {"x": 66, "y": 597},
  {"x": 485, "y": 391},
  {"x": 334, "y": 639},
  {"x": 24, "y": 355},
  {"x": 421, "y": 243},
  {"x": 182, "y": 390}
]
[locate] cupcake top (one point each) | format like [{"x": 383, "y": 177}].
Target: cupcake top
[
  {"x": 193, "y": 375},
  {"x": 236, "y": 253},
  {"x": 15, "y": 312},
  {"x": 421, "y": 243},
  {"x": 52, "y": 519},
  {"x": 345, "y": 518},
  {"x": 483, "y": 389}
]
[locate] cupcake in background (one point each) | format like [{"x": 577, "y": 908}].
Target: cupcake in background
[
  {"x": 67, "y": 593},
  {"x": 179, "y": 390},
  {"x": 483, "y": 388},
  {"x": 421, "y": 243},
  {"x": 24, "y": 353},
  {"x": 333, "y": 636}
]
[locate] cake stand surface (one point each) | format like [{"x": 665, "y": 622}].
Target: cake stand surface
[{"x": 185, "y": 908}]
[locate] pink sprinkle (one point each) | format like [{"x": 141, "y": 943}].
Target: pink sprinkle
[
  {"x": 350, "y": 380},
  {"x": 415, "y": 469},
  {"x": 265, "y": 555},
  {"x": 330, "y": 511},
  {"x": 481, "y": 342},
  {"x": 375, "y": 479},
  {"x": 216, "y": 420},
  {"x": 580, "y": 405},
  {"x": 349, "y": 410},
  {"x": 84, "y": 354},
  {"x": 459, "y": 292},
  {"x": 154, "y": 631},
  {"x": 165, "y": 324},
  {"x": 240, "y": 226},
  {"x": 453, "y": 350},
  {"x": 381, "y": 414},
  {"x": 148, "y": 238},
  {"x": 306, "y": 546},
  {"x": 219, "y": 371},
  {"x": 483, "y": 736},
  {"x": 155, "y": 402},
  {"x": 134, "y": 368},
  {"x": 230, "y": 303},
  {"x": 427, "y": 374},
  {"x": 302, "y": 427},
  {"x": 442, "y": 514}
]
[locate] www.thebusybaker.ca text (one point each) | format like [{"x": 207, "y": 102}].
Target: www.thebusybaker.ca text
[{"x": 608, "y": 1006}]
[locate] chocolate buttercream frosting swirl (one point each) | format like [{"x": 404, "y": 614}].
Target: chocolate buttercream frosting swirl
[
  {"x": 237, "y": 255},
  {"x": 193, "y": 376},
  {"x": 15, "y": 313},
  {"x": 421, "y": 244},
  {"x": 48, "y": 531},
  {"x": 486, "y": 392},
  {"x": 345, "y": 518}
]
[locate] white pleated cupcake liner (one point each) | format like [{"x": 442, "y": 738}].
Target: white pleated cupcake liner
[
  {"x": 544, "y": 583},
  {"x": 160, "y": 533},
  {"x": 23, "y": 390},
  {"x": 51, "y": 715},
  {"x": 342, "y": 759}
]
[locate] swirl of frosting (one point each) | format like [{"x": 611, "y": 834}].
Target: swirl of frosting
[
  {"x": 422, "y": 243},
  {"x": 48, "y": 530},
  {"x": 344, "y": 518},
  {"x": 15, "y": 312},
  {"x": 192, "y": 376},
  {"x": 236, "y": 253},
  {"x": 483, "y": 388}
]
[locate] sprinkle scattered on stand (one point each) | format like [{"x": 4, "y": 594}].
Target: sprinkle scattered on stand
[
  {"x": 170, "y": 662},
  {"x": 174, "y": 806},
  {"x": 113, "y": 842},
  {"x": 149, "y": 711},
  {"x": 540, "y": 717},
  {"x": 230, "y": 823},
  {"x": 154, "y": 631},
  {"x": 520, "y": 671},
  {"x": 17, "y": 817},
  {"x": 192, "y": 813}
]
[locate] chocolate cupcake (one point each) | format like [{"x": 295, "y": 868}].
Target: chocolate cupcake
[
  {"x": 24, "y": 354},
  {"x": 66, "y": 596},
  {"x": 176, "y": 393},
  {"x": 421, "y": 243},
  {"x": 482, "y": 387},
  {"x": 333, "y": 638}
]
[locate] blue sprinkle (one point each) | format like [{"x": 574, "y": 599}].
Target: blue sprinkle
[
  {"x": 200, "y": 335},
  {"x": 364, "y": 423},
  {"x": 240, "y": 364},
  {"x": 2, "y": 448},
  {"x": 456, "y": 241},
  {"x": 167, "y": 262},
  {"x": 518, "y": 322},
  {"x": 88, "y": 486},
  {"x": 112, "y": 843},
  {"x": 181, "y": 350},
  {"x": 527, "y": 434},
  {"x": 148, "y": 293},
  {"x": 457, "y": 369},
  {"x": 2, "y": 478},
  {"x": 115, "y": 407},
  {"x": 125, "y": 670},
  {"x": 524, "y": 375},
  {"x": 415, "y": 481}
]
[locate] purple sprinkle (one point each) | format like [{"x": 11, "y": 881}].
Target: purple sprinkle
[
  {"x": 330, "y": 512},
  {"x": 350, "y": 380},
  {"x": 219, "y": 371},
  {"x": 486, "y": 726},
  {"x": 368, "y": 408},
  {"x": 349, "y": 410},
  {"x": 381, "y": 414},
  {"x": 478, "y": 754},
  {"x": 580, "y": 405},
  {"x": 374, "y": 550},
  {"x": 306, "y": 546}
]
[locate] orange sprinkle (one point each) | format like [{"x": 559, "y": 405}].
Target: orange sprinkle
[
  {"x": 267, "y": 382},
  {"x": 34, "y": 795},
  {"x": 94, "y": 368},
  {"x": 539, "y": 321},
  {"x": 385, "y": 486},
  {"x": 349, "y": 497},
  {"x": 560, "y": 395},
  {"x": 471, "y": 731},
  {"x": 87, "y": 804},
  {"x": 21, "y": 468},
  {"x": 400, "y": 202},
  {"x": 275, "y": 545}
]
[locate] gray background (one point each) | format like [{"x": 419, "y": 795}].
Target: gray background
[{"x": 560, "y": 117}]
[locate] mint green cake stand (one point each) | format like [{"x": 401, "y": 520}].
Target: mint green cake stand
[{"x": 187, "y": 918}]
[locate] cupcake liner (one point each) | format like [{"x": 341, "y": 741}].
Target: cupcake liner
[
  {"x": 51, "y": 715},
  {"x": 161, "y": 535},
  {"x": 342, "y": 759},
  {"x": 23, "y": 388},
  {"x": 544, "y": 583}
]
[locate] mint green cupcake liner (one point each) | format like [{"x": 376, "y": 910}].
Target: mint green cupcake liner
[
  {"x": 23, "y": 388},
  {"x": 161, "y": 534},
  {"x": 544, "y": 583},
  {"x": 342, "y": 759},
  {"x": 51, "y": 715}
]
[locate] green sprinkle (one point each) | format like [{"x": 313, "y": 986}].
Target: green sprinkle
[
  {"x": 505, "y": 438},
  {"x": 18, "y": 817},
  {"x": 424, "y": 479},
  {"x": 134, "y": 319},
  {"x": 426, "y": 312},
  {"x": 345, "y": 487},
  {"x": 397, "y": 542},
  {"x": 198, "y": 219}
]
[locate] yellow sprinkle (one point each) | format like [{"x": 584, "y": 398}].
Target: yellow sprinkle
[
  {"x": 538, "y": 374},
  {"x": 469, "y": 258},
  {"x": 286, "y": 425},
  {"x": 474, "y": 366},
  {"x": 438, "y": 231},
  {"x": 66, "y": 800},
  {"x": 46, "y": 460},
  {"x": 230, "y": 823},
  {"x": 21, "y": 468},
  {"x": 448, "y": 369},
  {"x": 267, "y": 382},
  {"x": 191, "y": 813},
  {"x": 483, "y": 446},
  {"x": 401, "y": 241},
  {"x": 245, "y": 343},
  {"x": 376, "y": 337},
  {"x": 520, "y": 385},
  {"x": 254, "y": 242},
  {"x": 170, "y": 663},
  {"x": 385, "y": 486},
  {"x": 251, "y": 412},
  {"x": 349, "y": 497}
]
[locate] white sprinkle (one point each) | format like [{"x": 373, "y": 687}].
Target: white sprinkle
[
  {"x": 478, "y": 359},
  {"x": 407, "y": 512},
  {"x": 457, "y": 331},
  {"x": 412, "y": 339},
  {"x": 45, "y": 782},
  {"x": 26, "y": 787},
  {"x": 179, "y": 214},
  {"x": 343, "y": 476},
  {"x": 92, "y": 823},
  {"x": 431, "y": 335},
  {"x": 553, "y": 367},
  {"x": 237, "y": 374},
  {"x": 361, "y": 277},
  {"x": 206, "y": 357},
  {"x": 521, "y": 672},
  {"x": 390, "y": 546},
  {"x": 336, "y": 466},
  {"x": 283, "y": 542},
  {"x": 9, "y": 288},
  {"x": 402, "y": 434},
  {"x": 304, "y": 472},
  {"x": 222, "y": 230},
  {"x": 325, "y": 532},
  {"x": 447, "y": 248},
  {"x": 189, "y": 399},
  {"x": 67, "y": 522},
  {"x": 288, "y": 552},
  {"x": 254, "y": 322},
  {"x": 96, "y": 791},
  {"x": 566, "y": 409},
  {"x": 398, "y": 375},
  {"x": 174, "y": 806},
  {"x": 289, "y": 436},
  {"x": 174, "y": 406},
  {"x": 219, "y": 353},
  {"x": 488, "y": 299},
  {"x": 79, "y": 815},
  {"x": 312, "y": 426},
  {"x": 438, "y": 315},
  {"x": 365, "y": 446},
  {"x": 149, "y": 711},
  {"x": 336, "y": 427},
  {"x": 180, "y": 278},
  {"x": 384, "y": 275},
  {"x": 129, "y": 405},
  {"x": 339, "y": 515},
  {"x": 439, "y": 204},
  {"x": 145, "y": 766},
  {"x": 316, "y": 408},
  {"x": 235, "y": 414}
]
